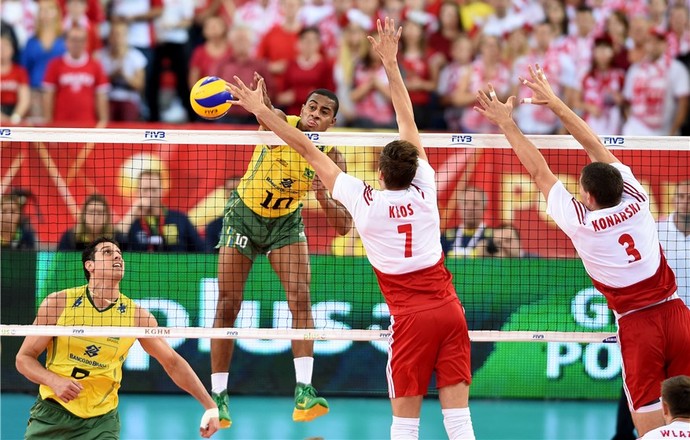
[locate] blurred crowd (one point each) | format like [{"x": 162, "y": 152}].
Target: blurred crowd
[{"x": 622, "y": 64}]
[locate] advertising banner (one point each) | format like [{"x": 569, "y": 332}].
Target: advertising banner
[
  {"x": 498, "y": 294},
  {"x": 59, "y": 176}
]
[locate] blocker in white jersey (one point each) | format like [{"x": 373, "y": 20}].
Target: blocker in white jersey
[
  {"x": 618, "y": 245},
  {"x": 675, "y": 394},
  {"x": 400, "y": 229},
  {"x": 614, "y": 233}
]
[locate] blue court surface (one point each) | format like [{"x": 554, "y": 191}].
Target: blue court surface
[{"x": 172, "y": 417}]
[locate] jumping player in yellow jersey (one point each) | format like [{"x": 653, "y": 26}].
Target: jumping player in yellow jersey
[
  {"x": 263, "y": 216},
  {"x": 78, "y": 386}
]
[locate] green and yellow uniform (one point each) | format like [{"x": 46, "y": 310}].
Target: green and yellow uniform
[
  {"x": 96, "y": 362},
  {"x": 264, "y": 213}
]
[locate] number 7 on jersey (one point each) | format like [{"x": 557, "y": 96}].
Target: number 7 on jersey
[{"x": 407, "y": 230}]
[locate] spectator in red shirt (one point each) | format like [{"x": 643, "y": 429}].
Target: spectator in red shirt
[
  {"x": 215, "y": 49},
  {"x": 15, "y": 95},
  {"x": 414, "y": 62},
  {"x": 242, "y": 64},
  {"x": 617, "y": 29},
  {"x": 450, "y": 28},
  {"x": 279, "y": 45},
  {"x": 76, "y": 86},
  {"x": 309, "y": 70}
]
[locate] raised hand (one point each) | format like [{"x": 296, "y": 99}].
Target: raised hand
[
  {"x": 258, "y": 79},
  {"x": 542, "y": 93},
  {"x": 251, "y": 100},
  {"x": 492, "y": 108},
  {"x": 387, "y": 45}
]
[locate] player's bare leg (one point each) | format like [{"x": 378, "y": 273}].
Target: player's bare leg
[
  {"x": 456, "y": 412},
  {"x": 233, "y": 270},
  {"x": 291, "y": 263},
  {"x": 646, "y": 421},
  {"x": 406, "y": 412}
]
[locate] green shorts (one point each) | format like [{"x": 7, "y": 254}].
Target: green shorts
[
  {"x": 253, "y": 235},
  {"x": 50, "y": 420}
]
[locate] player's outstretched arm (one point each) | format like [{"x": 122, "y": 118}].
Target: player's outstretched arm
[
  {"x": 501, "y": 114},
  {"x": 543, "y": 94},
  {"x": 387, "y": 48},
  {"x": 179, "y": 371},
  {"x": 252, "y": 101}
]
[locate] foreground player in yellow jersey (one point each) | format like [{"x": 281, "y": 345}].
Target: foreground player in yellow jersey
[
  {"x": 78, "y": 386},
  {"x": 263, "y": 216}
]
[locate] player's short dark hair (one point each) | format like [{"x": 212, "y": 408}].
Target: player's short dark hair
[
  {"x": 604, "y": 182},
  {"x": 675, "y": 391},
  {"x": 398, "y": 164},
  {"x": 89, "y": 253},
  {"x": 328, "y": 94}
]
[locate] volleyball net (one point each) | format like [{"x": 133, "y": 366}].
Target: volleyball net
[{"x": 516, "y": 273}]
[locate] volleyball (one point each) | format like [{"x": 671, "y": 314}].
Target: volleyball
[{"x": 209, "y": 98}]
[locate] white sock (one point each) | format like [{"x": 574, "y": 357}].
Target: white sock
[
  {"x": 219, "y": 382},
  {"x": 458, "y": 423},
  {"x": 404, "y": 428},
  {"x": 304, "y": 366}
]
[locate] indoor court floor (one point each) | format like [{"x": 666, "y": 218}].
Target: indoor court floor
[{"x": 176, "y": 417}]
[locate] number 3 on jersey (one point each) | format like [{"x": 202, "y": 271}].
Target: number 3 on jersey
[
  {"x": 628, "y": 243},
  {"x": 407, "y": 230}
]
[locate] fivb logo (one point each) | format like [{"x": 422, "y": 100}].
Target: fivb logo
[
  {"x": 154, "y": 135},
  {"x": 613, "y": 140},
  {"x": 316, "y": 139},
  {"x": 5, "y": 133},
  {"x": 461, "y": 139}
]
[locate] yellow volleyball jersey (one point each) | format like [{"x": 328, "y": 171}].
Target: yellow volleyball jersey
[
  {"x": 96, "y": 362},
  {"x": 277, "y": 178}
]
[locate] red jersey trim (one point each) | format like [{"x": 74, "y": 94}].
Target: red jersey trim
[
  {"x": 642, "y": 294},
  {"x": 579, "y": 210},
  {"x": 416, "y": 291},
  {"x": 367, "y": 194},
  {"x": 630, "y": 190},
  {"x": 418, "y": 189}
]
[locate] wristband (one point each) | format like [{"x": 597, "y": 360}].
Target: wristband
[
  {"x": 15, "y": 118},
  {"x": 208, "y": 415}
]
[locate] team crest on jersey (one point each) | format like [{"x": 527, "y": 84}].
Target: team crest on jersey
[
  {"x": 77, "y": 302},
  {"x": 92, "y": 350},
  {"x": 286, "y": 183},
  {"x": 122, "y": 308},
  {"x": 309, "y": 173}
]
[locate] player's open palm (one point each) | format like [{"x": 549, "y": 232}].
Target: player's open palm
[
  {"x": 387, "y": 44},
  {"x": 251, "y": 100},
  {"x": 542, "y": 93},
  {"x": 492, "y": 108}
]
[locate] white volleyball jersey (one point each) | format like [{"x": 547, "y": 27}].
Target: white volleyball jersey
[
  {"x": 675, "y": 429},
  {"x": 400, "y": 230},
  {"x": 619, "y": 246}
]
